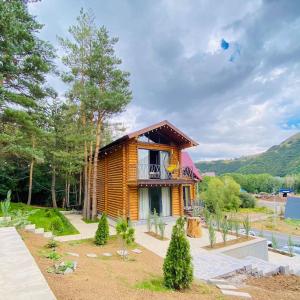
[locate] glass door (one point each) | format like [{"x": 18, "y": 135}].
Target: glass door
[
  {"x": 186, "y": 195},
  {"x": 155, "y": 199}
]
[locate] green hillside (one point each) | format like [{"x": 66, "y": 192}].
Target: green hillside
[{"x": 279, "y": 160}]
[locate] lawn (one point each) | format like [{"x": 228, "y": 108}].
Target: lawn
[
  {"x": 48, "y": 218},
  {"x": 287, "y": 226}
]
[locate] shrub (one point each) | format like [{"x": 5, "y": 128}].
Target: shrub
[
  {"x": 52, "y": 244},
  {"x": 5, "y": 205},
  {"x": 57, "y": 225},
  {"x": 53, "y": 255},
  {"x": 162, "y": 227},
  {"x": 125, "y": 232},
  {"x": 177, "y": 268},
  {"x": 211, "y": 233},
  {"x": 102, "y": 232},
  {"x": 247, "y": 200}
]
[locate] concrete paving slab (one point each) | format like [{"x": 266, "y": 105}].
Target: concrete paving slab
[
  {"x": 20, "y": 277},
  {"x": 226, "y": 287}
]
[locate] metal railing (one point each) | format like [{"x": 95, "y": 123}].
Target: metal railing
[{"x": 155, "y": 171}]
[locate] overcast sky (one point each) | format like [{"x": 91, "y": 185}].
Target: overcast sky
[{"x": 235, "y": 98}]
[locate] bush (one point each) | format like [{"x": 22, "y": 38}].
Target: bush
[
  {"x": 224, "y": 230},
  {"x": 56, "y": 225},
  {"x": 155, "y": 218},
  {"x": 247, "y": 225},
  {"x": 52, "y": 244},
  {"x": 177, "y": 268},
  {"x": 102, "y": 232},
  {"x": 247, "y": 200}
]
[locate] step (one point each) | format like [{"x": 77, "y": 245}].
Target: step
[
  {"x": 236, "y": 294},
  {"x": 218, "y": 281},
  {"x": 48, "y": 235},
  {"x": 30, "y": 227},
  {"x": 226, "y": 287},
  {"x": 39, "y": 231},
  {"x": 263, "y": 266}
]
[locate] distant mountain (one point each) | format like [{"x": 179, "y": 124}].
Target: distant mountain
[{"x": 279, "y": 160}]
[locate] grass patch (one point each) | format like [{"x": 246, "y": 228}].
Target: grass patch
[
  {"x": 292, "y": 222},
  {"x": 45, "y": 218},
  {"x": 155, "y": 285},
  {"x": 258, "y": 209},
  {"x": 90, "y": 221}
]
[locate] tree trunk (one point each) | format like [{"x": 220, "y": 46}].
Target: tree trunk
[
  {"x": 30, "y": 182},
  {"x": 90, "y": 177},
  {"x": 95, "y": 168},
  {"x": 68, "y": 192},
  {"x": 53, "y": 192},
  {"x": 80, "y": 188},
  {"x": 86, "y": 214}
]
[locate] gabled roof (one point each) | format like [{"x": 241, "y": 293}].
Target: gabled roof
[
  {"x": 164, "y": 128},
  {"x": 186, "y": 161}
]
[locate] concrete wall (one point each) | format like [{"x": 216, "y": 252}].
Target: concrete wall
[{"x": 256, "y": 247}]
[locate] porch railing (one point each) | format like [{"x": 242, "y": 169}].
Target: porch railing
[{"x": 155, "y": 171}]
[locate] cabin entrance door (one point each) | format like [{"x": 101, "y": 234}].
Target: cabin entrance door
[{"x": 155, "y": 199}]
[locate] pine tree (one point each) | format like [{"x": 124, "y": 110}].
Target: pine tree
[
  {"x": 102, "y": 232},
  {"x": 177, "y": 268}
]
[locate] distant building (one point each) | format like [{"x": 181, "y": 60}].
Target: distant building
[
  {"x": 292, "y": 208},
  {"x": 209, "y": 174}
]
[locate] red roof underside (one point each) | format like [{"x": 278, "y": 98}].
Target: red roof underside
[{"x": 186, "y": 161}]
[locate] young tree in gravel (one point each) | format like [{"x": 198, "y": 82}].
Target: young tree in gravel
[
  {"x": 149, "y": 222},
  {"x": 177, "y": 268},
  {"x": 102, "y": 232},
  {"x": 247, "y": 225},
  {"x": 211, "y": 233},
  {"x": 224, "y": 229},
  {"x": 236, "y": 226},
  {"x": 218, "y": 217},
  {"x": 290, "y": 245},
  {"x": 274, "y": 242},
  {"x": 126, "y": 232}
]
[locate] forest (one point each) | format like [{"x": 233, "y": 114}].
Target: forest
[{"x": 49, "y": 143}]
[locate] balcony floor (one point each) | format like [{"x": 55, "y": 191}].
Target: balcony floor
[{"x": 160, "y": 182}]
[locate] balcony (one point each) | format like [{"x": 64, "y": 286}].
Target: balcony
[{"x": 154, "y": 173}]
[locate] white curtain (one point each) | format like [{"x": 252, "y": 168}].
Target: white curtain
[
  {"x": 144, "y": 203},
  {"x": 143, "y": 164},
  {"x": 166, "y": 201},
  {"x": 164, "y": 162}
]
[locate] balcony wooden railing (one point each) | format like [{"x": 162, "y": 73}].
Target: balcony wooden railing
[{"x": 158, "y": 172}]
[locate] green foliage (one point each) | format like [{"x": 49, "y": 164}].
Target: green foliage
[
  {"x": 52, "y": 244},
  {"x": 5, "y": 205},
  {"x": 57, "y": 224},
  {"x": 53, "y": 255},
  {"x": 177, "y": 268},
  {"x": 221, "y": 193},
  {"x": 102, "y": 232},
  {"x": 162, "y": 227},
  {"x": 206, "y": 215},
  {"x": 290, "y": 245},
  {"x": 149, "y": 222},
  {"x": 218, "y": 217},
  {"x": 156, "y": 221},
  {"x": 247, "y": 225},
  {"x": 211, "y": 233},
  {"x": 248, "y": 201},
  {"x": 279, "y": 160}
]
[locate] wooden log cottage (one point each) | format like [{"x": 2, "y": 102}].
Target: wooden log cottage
[{"x": 147, "y": 170}]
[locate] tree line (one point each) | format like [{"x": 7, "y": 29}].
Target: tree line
[{"x": 50, "y": 144}]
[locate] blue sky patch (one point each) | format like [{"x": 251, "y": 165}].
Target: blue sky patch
[
  {"x": 224, "y": 44},
  {"x": 292, "y": 123}
]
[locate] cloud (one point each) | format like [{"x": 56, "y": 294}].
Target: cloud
[{"x": 179, "y": 71}]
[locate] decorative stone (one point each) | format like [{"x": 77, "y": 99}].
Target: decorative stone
[
  {"x": 30, "y": 227},
  {"x": 93, "y": 255},
  {"x": 39, "y": 231},
  {"x": 236, "y": 294},
  {"x": 73, "y": 254},
  {"x": 48, "y": 235},
  {"x": 68, "y": 271},
  {"x": 122, "y": 252},
  {"x": 137, "y": 251},
  {"x": 226, "y": 287},
  {"x": 107, "y": 254},
  {"x": 74, "y": 265}
]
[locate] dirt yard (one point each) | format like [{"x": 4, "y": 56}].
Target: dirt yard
[
  {"x": 280, "y": 225},
  {"x": 108, "y": 277},
  {"x": 112, "y": 278}
]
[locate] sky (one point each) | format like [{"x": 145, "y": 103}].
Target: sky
[{"x": 227, "y": 73}]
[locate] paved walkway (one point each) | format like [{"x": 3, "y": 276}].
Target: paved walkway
[
  {"x": 87, "y": 231},
  {"x": 20, "y": 277}
]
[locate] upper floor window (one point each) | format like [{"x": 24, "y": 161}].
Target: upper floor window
[{"x": 154, "y": 138}]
